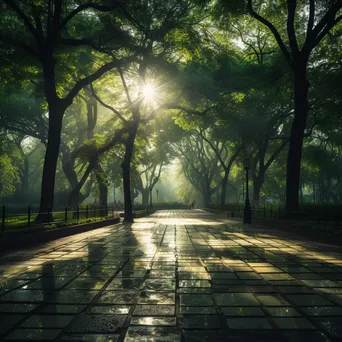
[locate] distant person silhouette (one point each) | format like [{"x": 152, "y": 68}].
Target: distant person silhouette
[{"x": 193, "y": 204}]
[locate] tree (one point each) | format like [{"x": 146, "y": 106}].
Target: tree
[
  {"x": 43, "y": 27},
  {"x": 9, "y": 166},
  {"x": 151, "y": 160},
  {"x": 200, "y": 165},
  {"x": 299, "y": 44},
  {"x": 226, "y": 152}
]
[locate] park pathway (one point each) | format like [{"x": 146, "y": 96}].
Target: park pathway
[{"x": 174, "y": 276}]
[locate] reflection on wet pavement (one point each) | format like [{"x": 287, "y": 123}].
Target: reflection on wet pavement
[{"x": 174, "y": 276}]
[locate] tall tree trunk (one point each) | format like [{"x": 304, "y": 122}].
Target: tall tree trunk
[
  {"x": 205, "y": 199},
  {"x": 314, "y": 191},
  {"x": 145, "y": 197},
  {"x": 301, "y": 194},
  {"x": 224, "y": 189},
  {"x": 236, "y": 194},
  {"x": 297, "y": 135},
  {"x": 56, "y": 109},
  {"x": 68, "y": 166},
  {"x": 206, "y": 194},
  {"x": 126, "y": 174},
  {"x": 25, "y": 176},
  {"x": 75, "y": 195},
  {"x": 257, "y": 185},
  {"x": 103, "y": 187},
  {"x": 151, "y": 199},
  {"x": 50, "y": 163}
]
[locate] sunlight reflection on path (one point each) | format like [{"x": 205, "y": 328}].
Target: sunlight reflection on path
[{"x": 177, "y": 272}]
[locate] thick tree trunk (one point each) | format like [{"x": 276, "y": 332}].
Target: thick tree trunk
[
  {"x": 56, "y": 109},
  {"x": 301, "y": 194},
  {"x": 50, "y": 163},
  {"x": 75, "y": 195},
  {"x": 224, "y": 189},
  {"x": 151, "y": 199},
  {"x": 314, "y": 191},
  {"x": 103, "y": 187},
  {"x": 68, "y": 166},
  {"x": 257, "y": 185},
  {"x": 297, "y": 135},
  {"x": 126, "y": 174},
  {"x": 206, "y": 195},
  {"x": 205, "y": 200},
  {"x": 145, "y": 197}
]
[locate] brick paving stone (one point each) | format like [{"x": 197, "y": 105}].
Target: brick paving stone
[
  {"x": 90, "y": 323},
  {"x": 33, "y": 334}
]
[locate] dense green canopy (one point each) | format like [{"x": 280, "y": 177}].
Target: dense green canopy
[{"x": 174, "y": 95}]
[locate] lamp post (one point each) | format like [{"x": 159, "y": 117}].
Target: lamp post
[
  {"x": 157, "y": 192},
  {"x": 151, "y": 198},
  {"x": 247, "y": 213}
]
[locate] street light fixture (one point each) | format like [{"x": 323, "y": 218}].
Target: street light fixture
[{"x": 247, "y": 213}]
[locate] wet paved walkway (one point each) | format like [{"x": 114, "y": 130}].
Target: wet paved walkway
[{"x": 175, "y": 276}]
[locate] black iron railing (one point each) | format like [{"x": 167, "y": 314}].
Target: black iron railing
[
  {"x": 15, "y": 218},
  {"x": 274, "y": 212}
]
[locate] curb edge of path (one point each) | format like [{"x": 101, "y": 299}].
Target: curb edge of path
[{"x": 10, "y": 243}]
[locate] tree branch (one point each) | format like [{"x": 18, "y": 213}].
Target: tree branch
[
  {"x": 93, "y": 77},
  {"x": 113, "y": 141},
  {"x": 20, "y": 45},
  {"x": 328, "y": 16},
  {"x": 311, "y": 19},
  {"x": 272, "y": 29},
  {"x": 24, "y": 18},
  {"x": 291, "y": 11},
  {"x": 275, "y": 153},
  {"x": 156, "y": 179},
  {"x": 186, "y": 110},
  {"x": 248, "y": 44},
  {"x": 85, "y": 6},
  {"x": 125, "y": 85},
  {"x": 116, "y": 112},
  {"x": 82, "y": 42},
  {"x": 327, "y": 28},
  {"x": 200, "y": 133}
]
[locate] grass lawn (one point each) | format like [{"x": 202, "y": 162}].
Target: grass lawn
[{"x": 19, "y": 224}]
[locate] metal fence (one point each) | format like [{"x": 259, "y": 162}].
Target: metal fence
[
  {"x": 272, "y": 212},
  {"x": 23, "y": 218},
  {"x": 260, "y": 212}
]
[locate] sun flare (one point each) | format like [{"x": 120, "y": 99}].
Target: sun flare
[{"x": 149, "y": 92}]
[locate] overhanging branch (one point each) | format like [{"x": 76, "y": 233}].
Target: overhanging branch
[
  {"x": 93, "y": 77},
  {"x": 328, "y": 16},
  {"x": 272, "y": 29},
  {"x": 291, "y": 10},
  {"x": 24, "y": 18},
  {"x": 116, "y": 112},
  {"x": 85, "y": 6}
]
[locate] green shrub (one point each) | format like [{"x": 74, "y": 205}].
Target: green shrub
[{"x": 50, "y": 226}]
